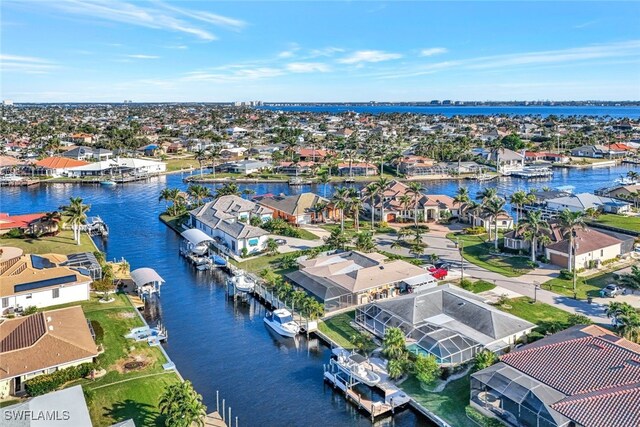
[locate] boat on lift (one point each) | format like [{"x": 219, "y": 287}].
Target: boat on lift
[
  {"x": 354, "y": 365},
  {"x": 282, "y": 322},
  {"x": 242, "y": 283}
]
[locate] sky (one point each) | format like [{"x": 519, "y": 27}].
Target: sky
[{"x": 217, "y": 51}]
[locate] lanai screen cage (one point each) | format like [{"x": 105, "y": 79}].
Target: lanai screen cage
[
  {"x": 448, "y": 346},
  {"x": 515, "y": 397},
  {"x": 87, "y": 261}
]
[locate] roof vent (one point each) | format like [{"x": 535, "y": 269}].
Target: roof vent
[
  {"x": 382, "y": 267},
  {"x": 49, "y": 319},
  {"x": 51, "y": 327}
]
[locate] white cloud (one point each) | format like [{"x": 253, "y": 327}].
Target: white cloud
[
  {"x": 369, "y": 56},
  {"x": 433, "y": 51},
  {"x": 307, "y": 67},
  {"x": 25, "y": 64},
  {"x": 156, "y": 18},
  {"x": 286, "y": 54},
  {"x": 240, "y": 74},
  {"x": 327, "y": 51},
  {"x": 141, "y": 56}
]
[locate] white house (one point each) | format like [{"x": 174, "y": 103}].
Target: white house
[
  {"x": 33, "y": 280},
  {"x": 119, "y": 166},
  {"x": 227, "y": 220},
  {"x": 583, "y": 201}
]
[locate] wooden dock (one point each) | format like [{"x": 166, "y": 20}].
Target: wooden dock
[{"x": 214, "y": 420}]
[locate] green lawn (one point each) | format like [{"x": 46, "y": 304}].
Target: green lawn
[
  {"x": 477, "y": 252},
  {"x": 539, "y": 313},
  {"x": 478, "y": 286},
  {"x": 339, "y": 329},
  {"x": 136, "y": 399},
  {"x": 175, "y": 222},
  {"x": 620, "y": 221},
  {"x": 585, "y": 287},
  {"x": 63, "y": 243},
  {"x": 449, "y": 404},
  {"x": 181, "y": 163}
]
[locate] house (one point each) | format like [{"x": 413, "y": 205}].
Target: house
[
  {"x": 39, "y": 281},
  {"x": 296, "y": 168},
  {"x": 625, "y": 192},
  {"x": 81, "y": 138},
  {"x": 150, "y": 150},
  {"x": 62, "y": 408},
  {"x": 236, "y": 131},
  {"x": 297, "y": 209},
  {"x": 445, "y": 321},
  {"x": 88, "y": 153},
  {"x": 485, "y": 220},
  {"x": 416, "y": 166},
  {"x": 43, "y": 343},
  {"x": 21, "y": 222},
  {"x": 226, "y": 219},
  {"x": 57, "y": 166},
  {"x": 121, "y": 166},
  {"x": 357, "y": 169},
  {"x": 312, "y": 154},
  {"x": 351, "y": 278},
  {"x": 583, "y": 201},
  {"x": 506, "y": 160},
  {"x": 583, "y": 376},
  {"x": 534, "y": 157},
  {"x": 233, "y": 153},
  {"x": 592, "y": 248},
  {"x": 598, "y": 151},
  {"x": 244, "y": 167}
]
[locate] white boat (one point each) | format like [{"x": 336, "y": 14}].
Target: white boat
[
  {"x": 11, "y": 178},
  {"x": 242, "y": 283},
  {"x": 282, "y": 322},
  {"x": 146, "y": 333},
  {"x": 354, "y": 365},
  {"x": 108, "y": 183},
  {"x": 626, "y": 180}
]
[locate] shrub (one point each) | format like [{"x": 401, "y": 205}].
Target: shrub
[
  {"x": 14, "y": 233},
  {"x": 466, "y": 284},
  {"x": 566, "y": 274},
  {"x": 28, "y": 311},
  {"x": 480, "y": 419},
  {"x": 426, "y": 369},
  {"x": 532, "y": 264},
  {"x": 474, "y": 230},
  {"x": 98, "y": 330},
  {"x": 50, "y": 382}
]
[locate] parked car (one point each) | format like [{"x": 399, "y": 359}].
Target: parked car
[
  {"x": 612, "y": 291},
  {"x": 428, "y": 267},
  {"x": 281, "y": 242},
  {"x": 443, "y": 265},
  {"x": 438, "y": 273}
]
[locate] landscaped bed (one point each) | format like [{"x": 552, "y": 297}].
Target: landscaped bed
[{"x": 478, "y": 251}]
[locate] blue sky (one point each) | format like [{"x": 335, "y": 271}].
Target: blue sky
[{"x": 111, "y": 50}]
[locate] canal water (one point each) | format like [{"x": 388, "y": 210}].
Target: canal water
[{"x": 267, "y": 380}]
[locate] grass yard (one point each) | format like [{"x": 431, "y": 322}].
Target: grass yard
[
  {"x": 620, "y": 221},
  {"x": 182, "y": 163},
  {"x": 307, "y": 235},
  {"x": 543, "y": 315},
  {"x": 135, "y": 399},
  {"x": 478, "y": 286},
  {"x": 174, "y": 222},
  {"x": 449, "y": 404},
  {"x": 339, "y": 329},
  {"x": 63, "y": 243},
  {"x": 585, "y": 286},
  {"x": 477, "y": 252}
]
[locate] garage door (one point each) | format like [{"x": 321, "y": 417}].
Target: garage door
[{"x": 559, "y": 260}]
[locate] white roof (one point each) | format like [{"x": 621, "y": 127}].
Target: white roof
[
  {"x": 196, "y": 236},
  {"x": 119, "y": 162},
  {"x": 145, "y": 275}
]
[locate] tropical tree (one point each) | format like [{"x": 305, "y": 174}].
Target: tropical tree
[
  {"x": 372, "y": 192},
  {"x": 484, "y": 359},
  {"x": 592, "y": 213},
  {"x": 212, "y": 155},
  {"x": 49, "y": 223},
  {"x": 518, "y": 199},
  {"x": 165, "y": 195},
  {"x": 198, "y": 192},
  {"x": 395, "y": 368},
  {"x": 228, "y": 189},
  {"x": 364, "y": 241},
  {"x": 382, "y": 183},
  {"x": 272, "y": 246},
  {"x": 487, "y": 194},
  {"x": 76, "y": 214},
  {"x": 616, "y": 309},
  {"x": 182, "y": 406},
  {"x": 569, "y": 223},
  {"x": 426, "y": 369},
  {"x": 494, "y": 208},
  {"x": 394, "y": 343},
  {"x": 631, "y": 280},
  {"x": 461, "y": 199},
  {"x": 337, "y": 239},
  {"x": 532, "y": 227},
  {"x": 200, "y": 155},
  {"x": 415, "y": 188},
  {"x": 355, "y": 205},
  {"x": 324, "y": 179},
  {"x": 340, "y": 200},
  {"x": 103, "y": 286},
  {"x": 405, "y": 200}
]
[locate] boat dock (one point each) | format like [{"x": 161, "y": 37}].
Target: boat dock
[
  {"x": 531, "y": 173},
  {"x": 23, "y": 182}
]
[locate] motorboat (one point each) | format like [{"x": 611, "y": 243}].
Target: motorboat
[
  {"x": 626, "y": 180},
  {"x": 242, "y": 283},
  {"x": 10, "y": 178},
  {"x": 218, "y": 260},
  {"x": 282, "y": 322},
  {"x": 108, "y": 183},
  {"x": 146, "y": 333},
  {"x": 354, "y": 365}
]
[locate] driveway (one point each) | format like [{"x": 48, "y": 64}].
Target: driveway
[{"x": 294, "y": 244}]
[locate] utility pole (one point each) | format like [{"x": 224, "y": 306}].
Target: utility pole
[{"x": 573, "y": 264}]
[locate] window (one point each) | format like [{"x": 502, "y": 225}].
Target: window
[
  {"x": 5, "y": 302},
  {"x": 601, "y": 252},
  {"x": 28, "y": 296},
  {"x": 55, "y": 293}
]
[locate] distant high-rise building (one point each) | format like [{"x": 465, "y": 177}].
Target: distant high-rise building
[{"x": 7, "y": 102}]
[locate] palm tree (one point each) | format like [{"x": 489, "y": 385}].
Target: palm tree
[
  {"x": 212, "y": 155},
  {"x": 393, "y": 343},
  {"x": 50, "y": 222},
  {"x": 182, "y": 406},
  {"x": 228, "y": 189},
  {"x": 165, "y": 195},
  {"x": 340, "y": 201},
  {"x": 415, "y": 188},
  {"x": 198, "y": 192},
  {"x": 569, "y": 223},
  {"x": 633, "y": 175},
  {"x": 382, "y": 183},
  {"x": 532, "y": 226},
  {"x": 364, "y": 242},
  {"x": 272, "y": 246},
  {"x": 324, "y": 179},
  {"x": 592, "y": 212},
  {"x": 631, "y": 280},
  {"x": 77, "y": 215},
  {"x": 487, "y": 194},
  {"x": 494, "y": 208},
  {"x": 518, "y": 199},
  {"x": 372, "y": 192},
  {"x": 461, "y": 198},
  {"x": 355, "y": 205},
  {"x": 405, "y": 200},
  {"x": 200, "y": 155},
  {"x": 248, "y": 192}
]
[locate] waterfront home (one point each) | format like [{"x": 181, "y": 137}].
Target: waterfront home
[
  {"x": 351, "y": 278},
  {"x": 10, "y": 164},
  {"x": 583, "y": 376},
  {"x": 263, "y": 152},
  {"x": 120, "y": 166},
  {"x": 312, "y": 154},
  {"x": 39, "y": 281},
  {"x": 43, "y": 343},
  {"x": 57, "y": 166},
  {"x": 506, "y": 160},
  {"x": 296, "y": 168},
  {"x": 227, "y": 220},
  {"x": 298, "y": 208},
  {"x": 583, "y": 201},
  {"x": 624, "y": 192},
  {"x": 233, "y": 153},
  {"x": 88, "y": 153},
  {"x": 597, "y": 152},
  {"x": 486, "y": 221},
  {"x": 416, "y": 166},
  {"x": 244, "y": 167},
  {"x": 592, "y": 248},
  {"x": 20, "y": 222},
  {"x": 62, "y": 408},
  {"x": 445, "y": 321},
  {"x": 357, "y": 169},
  {"x": 536, "y": 157}
]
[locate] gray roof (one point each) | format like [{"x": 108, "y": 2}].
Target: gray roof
[
  {"x": 70, "y": 400},
  {"x": 293, "y": 205},
  {"x": 586, "y": 201},
  {"x": 223, "y": 212}
]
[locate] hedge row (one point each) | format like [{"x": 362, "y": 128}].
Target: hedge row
[{"x": 50, "y": 382}]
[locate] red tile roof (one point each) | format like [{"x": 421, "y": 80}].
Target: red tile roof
[
  {"x": 581, "y": 365},
  {"x": 18, "y": 221},
  {"x": 60, "y": 163}
]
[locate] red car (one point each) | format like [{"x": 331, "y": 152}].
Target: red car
[{"x": 438, "y": 273}]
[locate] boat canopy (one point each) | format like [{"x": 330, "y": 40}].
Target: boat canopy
[
  {"x": 196, "y": 236},
  {"x": 142, "y": 276}
]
